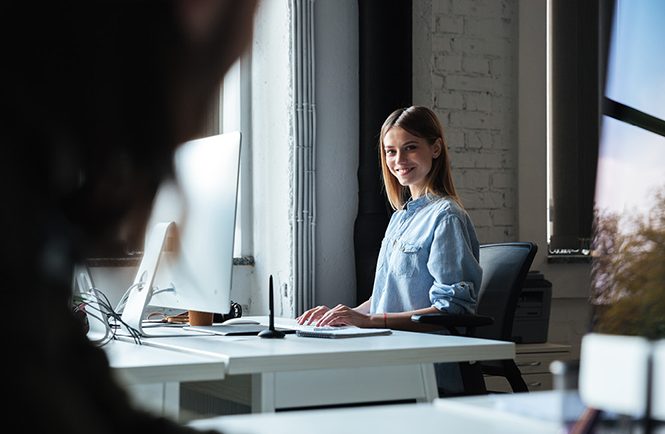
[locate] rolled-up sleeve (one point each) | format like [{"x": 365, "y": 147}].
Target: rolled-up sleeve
[{"x": 453, "y": 264}]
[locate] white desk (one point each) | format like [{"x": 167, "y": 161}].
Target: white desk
[
  {"x": 152, "y": 376},
  {"x": 472, "y": 415},
  {"x": 300, "y": 372}
]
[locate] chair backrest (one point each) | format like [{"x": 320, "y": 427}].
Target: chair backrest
[{"x": 505, "y": 266}]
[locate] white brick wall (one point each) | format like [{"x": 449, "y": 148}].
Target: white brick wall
[{"x": 472, "y": 87}]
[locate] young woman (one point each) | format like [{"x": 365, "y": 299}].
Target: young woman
[{"x": 428, "y": 261}]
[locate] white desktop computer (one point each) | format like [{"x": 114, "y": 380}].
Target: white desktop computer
[{"x": 188, "y": 258}]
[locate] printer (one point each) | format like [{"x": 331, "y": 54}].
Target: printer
[{"x": 532, "y": 316}]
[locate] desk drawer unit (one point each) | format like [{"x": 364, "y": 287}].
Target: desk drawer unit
[{"x": 533, "y": 360}]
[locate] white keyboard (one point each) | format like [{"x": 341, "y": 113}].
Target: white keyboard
[{"x": 292, "y": 325}]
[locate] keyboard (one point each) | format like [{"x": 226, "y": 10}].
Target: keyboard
[
  {"x": 330, "y": 332},
  {"x": 292, "y": 325}
]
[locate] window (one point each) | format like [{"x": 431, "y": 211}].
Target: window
[
  {"x": 633, "y": 144},
  {"x": 230, "y": 112},
  {"x": 235, "y": 116},
  {"x": 580, "y": 35},
  {"x": 628, "y": 270}
]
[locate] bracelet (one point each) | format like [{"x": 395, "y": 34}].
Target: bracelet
[{"x": 385, "y": 324}]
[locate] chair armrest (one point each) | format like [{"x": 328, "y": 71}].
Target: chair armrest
[{"x": 453, "y": 321}]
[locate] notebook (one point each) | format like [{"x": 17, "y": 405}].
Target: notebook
[{"x": 339, "y": 332}]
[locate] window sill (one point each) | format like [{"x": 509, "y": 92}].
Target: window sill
[
  {"x": 113, "y": 262},
  {"x": 569, "y": 259},
  {"x": 246, "y": 261}
]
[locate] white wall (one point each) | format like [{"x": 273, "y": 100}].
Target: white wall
[
  {"x": 272, "y": 142},
  {"x": 336, "y": 77},
  {"x": 336, "y": 48},
  {"x": 337, "y": 155}
]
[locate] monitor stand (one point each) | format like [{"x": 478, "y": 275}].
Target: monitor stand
[
  {"x": 139, "y": 296},
  {"x": 100, "y": 330}
]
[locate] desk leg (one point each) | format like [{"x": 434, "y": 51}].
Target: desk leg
[
  {"x": 263, "y": 392},
  {"x": 171, "y": 407},
  {"x": 429, "y": 383},
  {"x": 162, "y": 399}
]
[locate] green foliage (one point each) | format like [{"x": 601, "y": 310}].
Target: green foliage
[{"x": 628, "y": 275}]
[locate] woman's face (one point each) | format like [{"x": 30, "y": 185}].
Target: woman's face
[{"x": 409, "y": 158}]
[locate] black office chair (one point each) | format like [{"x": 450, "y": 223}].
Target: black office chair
[{"x": 505, "y": 266}]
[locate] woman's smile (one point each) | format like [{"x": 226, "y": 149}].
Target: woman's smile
[{"x": 403, "y": 171}]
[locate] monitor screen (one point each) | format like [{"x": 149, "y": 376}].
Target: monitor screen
[
  {"x": 628, "y": 277},
  {"x": 188, "y": 257}
]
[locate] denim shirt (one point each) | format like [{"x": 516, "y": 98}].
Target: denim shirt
[{"x": 428, "y": 257}]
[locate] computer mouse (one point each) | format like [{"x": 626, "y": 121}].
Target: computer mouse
[{"x": 241, "y": 320}]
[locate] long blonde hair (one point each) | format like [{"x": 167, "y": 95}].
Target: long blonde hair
[{"x": 420, "y": 122}]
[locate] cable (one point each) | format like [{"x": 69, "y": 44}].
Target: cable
[
  {"x": 117, "y": 317},
  {"x": 90, "y": 305},
  {"x": 96, "y": 301}
]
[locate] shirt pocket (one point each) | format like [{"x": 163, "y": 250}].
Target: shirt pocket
[{"x": 404, "y": 261}]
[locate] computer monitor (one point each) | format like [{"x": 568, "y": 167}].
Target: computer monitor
[{"x": 188, "y": 257}]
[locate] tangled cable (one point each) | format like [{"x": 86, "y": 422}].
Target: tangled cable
[{"x": 95, "y": 305}]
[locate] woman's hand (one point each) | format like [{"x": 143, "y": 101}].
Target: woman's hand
[
  {"x": 312, "y": 316},
  {"x": 344, "y": 315},
  {"x": 321, "y": 316},
  {"x": 341, "y": 314},
  {"x": 360, "y": 317}
]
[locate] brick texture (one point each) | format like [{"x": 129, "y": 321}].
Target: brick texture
[{"x": 473, "y": 90}]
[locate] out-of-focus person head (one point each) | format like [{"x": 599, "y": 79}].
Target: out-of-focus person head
[{"x": 96, "y": 95}]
